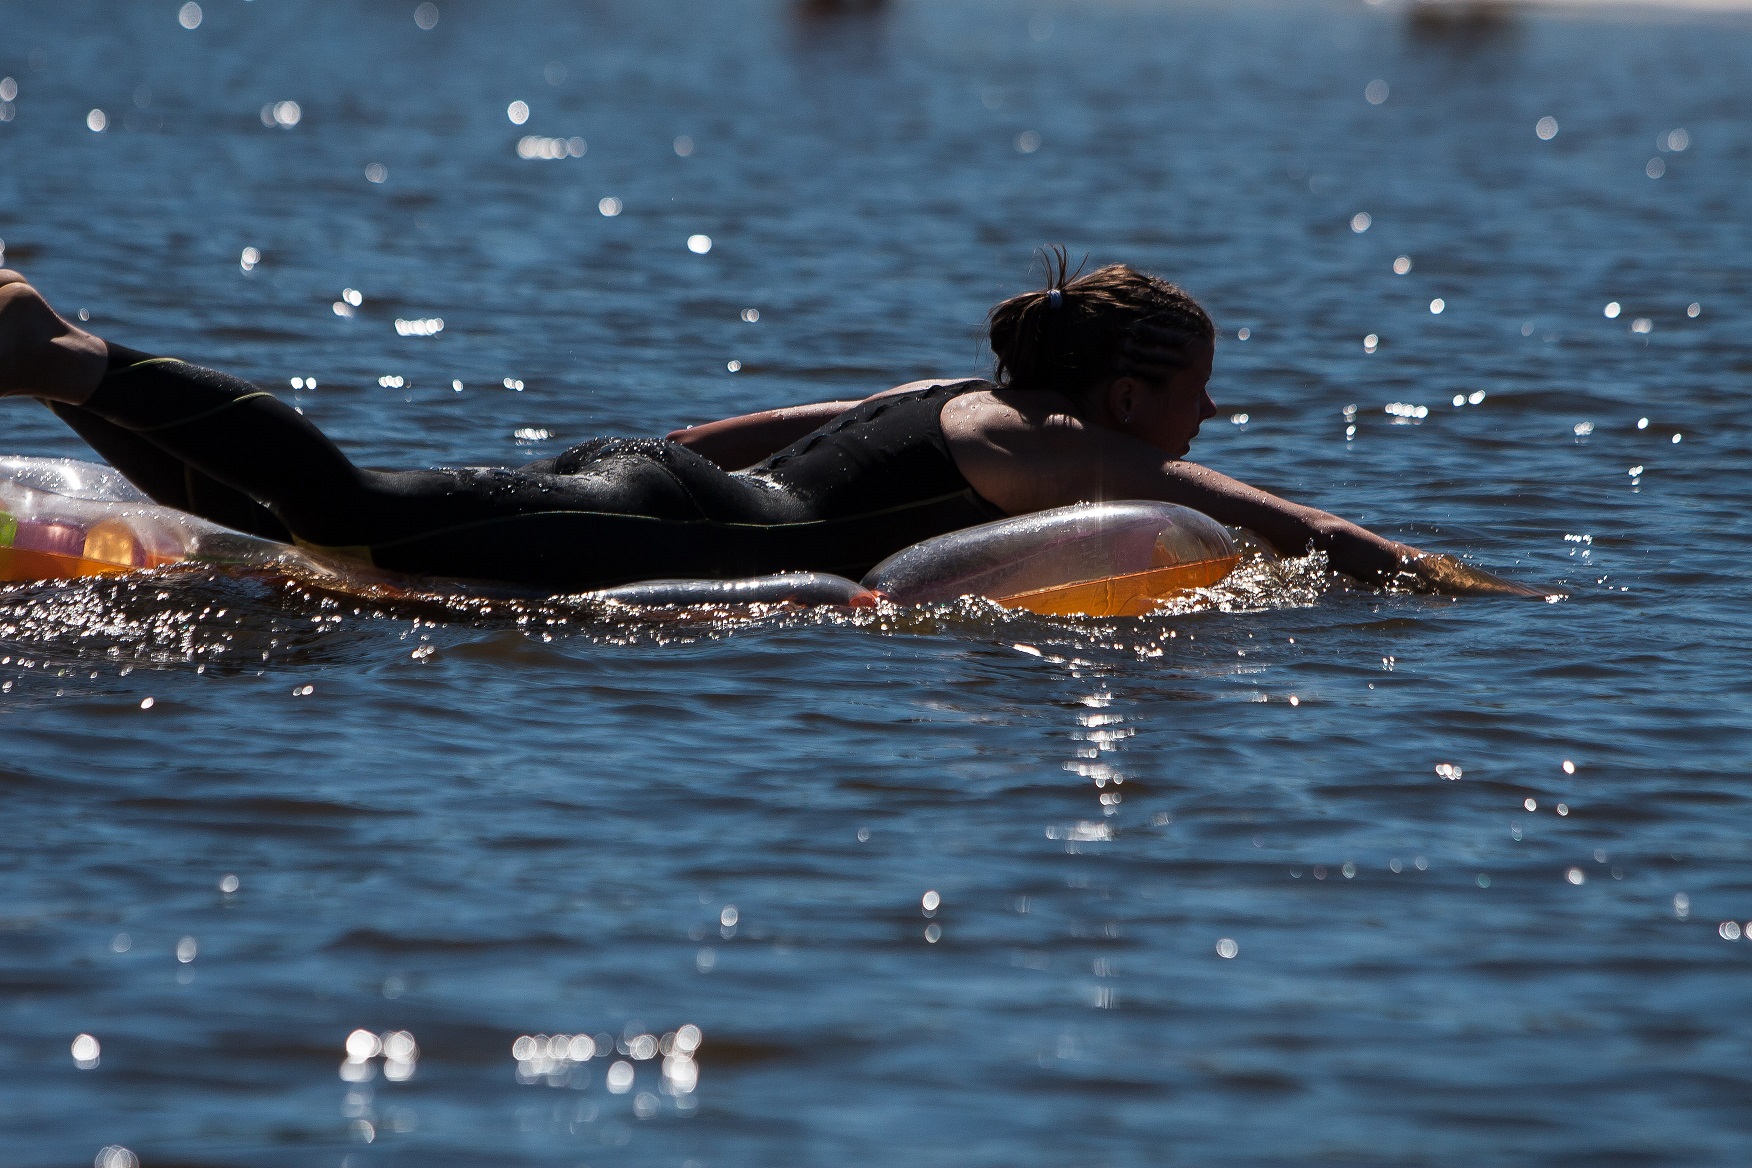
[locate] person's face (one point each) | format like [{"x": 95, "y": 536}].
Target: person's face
[{"x": 1167, "y": 414}]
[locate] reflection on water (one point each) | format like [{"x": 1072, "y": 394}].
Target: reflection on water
[{"x": 1291, "y": 870}]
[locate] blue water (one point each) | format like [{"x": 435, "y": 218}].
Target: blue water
[{"x": 476, "y": 824}]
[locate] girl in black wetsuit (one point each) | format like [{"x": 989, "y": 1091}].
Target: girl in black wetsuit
[
  {"x": 610, "y": 511},
  {"x": 1099, "y": 378}
]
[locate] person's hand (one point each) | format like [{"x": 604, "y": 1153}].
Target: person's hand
[{"x": 1435, "y": 572}]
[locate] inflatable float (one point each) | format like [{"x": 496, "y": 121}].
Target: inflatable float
[{"x": 64, "y": 519}]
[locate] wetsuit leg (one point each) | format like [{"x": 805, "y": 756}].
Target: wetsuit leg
[{"x": 165, "y": 478}]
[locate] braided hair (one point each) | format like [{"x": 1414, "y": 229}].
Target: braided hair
[{"x": 1081, "y": 331}]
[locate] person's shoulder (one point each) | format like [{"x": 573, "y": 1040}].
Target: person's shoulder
[{"x": 929, "y": 383}]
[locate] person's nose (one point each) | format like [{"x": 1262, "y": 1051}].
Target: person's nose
[{"x": 1208, "y": 408}]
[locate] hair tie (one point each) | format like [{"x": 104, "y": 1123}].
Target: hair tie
[{"x": 1055, "y": 299}]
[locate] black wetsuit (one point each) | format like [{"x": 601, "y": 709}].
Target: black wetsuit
[{"x": 611, "y": 511}]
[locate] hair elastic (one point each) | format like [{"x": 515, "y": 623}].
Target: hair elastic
[{"x": 1055, "y": 299}]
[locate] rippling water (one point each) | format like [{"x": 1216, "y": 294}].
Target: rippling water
[{"x": 1294, "y": 874}]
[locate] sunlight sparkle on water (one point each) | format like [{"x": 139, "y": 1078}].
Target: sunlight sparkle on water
[
  {"x": 1402, "y": 265},
  {"x": 1546, "y": 128},
  {"x": 1361, "y": 221},
  {"x": 610, "y": 207},
  {"x": 189, "y": 15},
  {"x": 1376, "y": 91},
  {"x": 284, "y": 114},
  {"x": 517, "y": 112},
  {"x": 1438, "y": 306},
  {"x": 87, "y": 1053},
  {"x": 699, "y": 244},
  {"x": 426, "y": 16},
  {"x": 96, "y": 121},
  {"x": 1612, "y": 309},
  {"x": 536, "y": 146},
  {"x": 1373, "y": 342}
]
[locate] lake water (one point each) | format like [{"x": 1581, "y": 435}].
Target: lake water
[{"x": 1295, "y": 874}]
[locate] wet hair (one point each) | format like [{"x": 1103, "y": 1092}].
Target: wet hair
[{"x": 1081, "y": 331}]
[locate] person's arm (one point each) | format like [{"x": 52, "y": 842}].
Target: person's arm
[
  {"x": 1033, "y": 467},
  {"x": 734, "y": 443},
  {"x": 1350, "y": 548}
]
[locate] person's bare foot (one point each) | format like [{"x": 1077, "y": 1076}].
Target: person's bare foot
[{"x": 42, "y": 355}]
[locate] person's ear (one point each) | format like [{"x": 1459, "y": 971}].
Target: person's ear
[{"x": 1122, "y": 398}]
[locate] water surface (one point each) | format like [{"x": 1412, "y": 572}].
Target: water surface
[{"x": 476, "y": 824}]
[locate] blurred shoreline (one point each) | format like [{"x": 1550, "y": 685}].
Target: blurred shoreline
[
  {"x": 1611, "y": 5},
  {"x": 1626, "y": 5}
]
